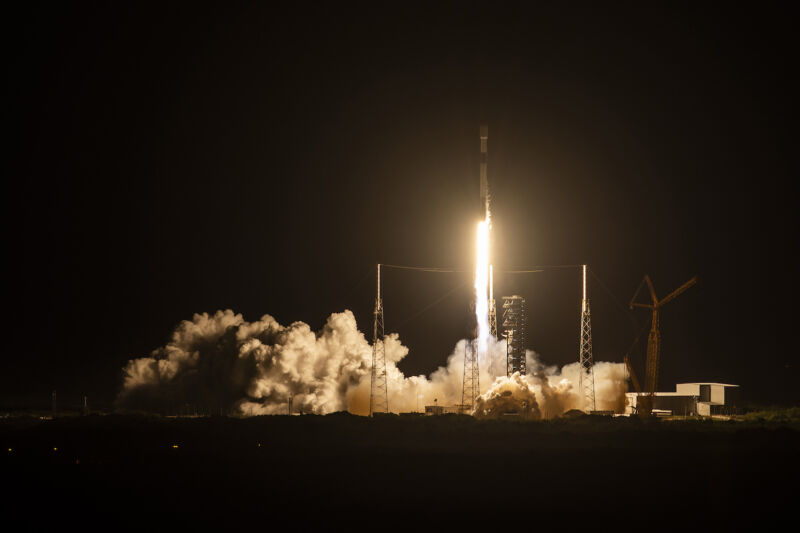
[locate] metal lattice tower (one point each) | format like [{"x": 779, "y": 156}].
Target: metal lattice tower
[
  {"x": 378, "y": 392},
  {"x": 492, "y": 305},
  {"x": 472, "y": 384},
  {"x": 514, "y": 332},
  {"x": 586, "y": 378}
]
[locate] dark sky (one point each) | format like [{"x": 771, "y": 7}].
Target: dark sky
[{"x": 173, "y": 159}]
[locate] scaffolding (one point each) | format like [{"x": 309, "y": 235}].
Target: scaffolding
[{"x": 514, "y": 333}]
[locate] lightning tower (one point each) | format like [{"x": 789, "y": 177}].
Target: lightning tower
[
  {"x": 378, "y": 391},
  {"x": 585, "y": 352},
  {"x": 472, "y": 385}
]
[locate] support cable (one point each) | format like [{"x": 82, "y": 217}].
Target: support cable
[
  {"x": 423, "y": 269},
  {"x": 524, "y": 270},
  {"x": 625, "y": 310},
  {"x": 438, "y": 300}
]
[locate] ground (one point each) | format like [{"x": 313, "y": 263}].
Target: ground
[{"x": 424, "y": 470}]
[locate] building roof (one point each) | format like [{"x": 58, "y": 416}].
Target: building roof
[
  {"x": 659, "y": 394},
  {"x": 709, "y": 383}
]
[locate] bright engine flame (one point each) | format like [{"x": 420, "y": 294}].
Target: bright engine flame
[{"x": 482, "y": 287}]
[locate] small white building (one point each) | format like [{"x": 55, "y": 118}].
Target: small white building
[
  {"x": 712, "y": 398},
  {"x": 689, "y": 399}
]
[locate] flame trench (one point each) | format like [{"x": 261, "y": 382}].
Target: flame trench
[{"x": 482, "y": 286}]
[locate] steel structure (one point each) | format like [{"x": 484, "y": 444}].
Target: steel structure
[
  {"x": 471, "y": 387},
  {"x": 654, "y": 339},
  {"x": 492, "y": 305},
  {"x": 514, "y": 333},
  {"x": 586, "y": 378},
  {"x": 378, "y": 391}
]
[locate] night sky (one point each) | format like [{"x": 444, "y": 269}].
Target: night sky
[{"x": 172, "y": 159}]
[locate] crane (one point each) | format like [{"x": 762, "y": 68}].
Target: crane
[
  {"x": 653, "y": 341},
  {"x": 632, "y": 375}
]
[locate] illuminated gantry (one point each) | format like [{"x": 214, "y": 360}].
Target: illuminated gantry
[{"x": 514, "y": 331}]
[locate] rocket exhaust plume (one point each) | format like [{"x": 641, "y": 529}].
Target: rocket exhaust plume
[{"x": 482, "y": 287}]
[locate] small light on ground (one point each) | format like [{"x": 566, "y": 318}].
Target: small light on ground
[{"x": 174, "y": 445}]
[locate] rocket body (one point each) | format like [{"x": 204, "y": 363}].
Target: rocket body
[{"x": 484, "y": 163}]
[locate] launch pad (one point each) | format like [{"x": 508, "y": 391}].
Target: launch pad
[{"x": 514, "y": 317}]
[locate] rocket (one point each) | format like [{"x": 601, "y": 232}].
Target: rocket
[
  {"x": 491, "y": 306},
  {"x": 484, "y": 162}
]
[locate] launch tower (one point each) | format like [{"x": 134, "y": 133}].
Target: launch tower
[{"x": 514, "y": 332}]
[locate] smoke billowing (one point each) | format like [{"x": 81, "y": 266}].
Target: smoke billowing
[{"x": 221, "y": 363}]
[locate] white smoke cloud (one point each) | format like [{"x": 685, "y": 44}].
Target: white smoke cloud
[
  {"x": 512, "y": 395},
  {"x": 222, "y": 363}
]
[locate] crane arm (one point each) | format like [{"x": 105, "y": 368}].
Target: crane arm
[
  {"x": 674, "y": 294},
  {"x": 632, "y": 375},
  {"x": 652, "y": 289},
  {"x": 635, "y": 294}
]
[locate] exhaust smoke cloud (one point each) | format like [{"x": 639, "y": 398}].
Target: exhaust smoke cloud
[{"x": 221, "y": 363}]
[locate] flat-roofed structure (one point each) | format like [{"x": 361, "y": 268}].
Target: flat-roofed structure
[
  {"x": 691, "y": 399},
  {"x": 434, "y": 410}
]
